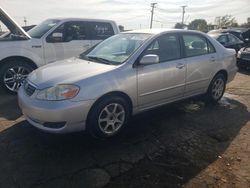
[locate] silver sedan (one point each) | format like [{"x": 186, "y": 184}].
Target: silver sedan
[{"x": 124, "y": 75}]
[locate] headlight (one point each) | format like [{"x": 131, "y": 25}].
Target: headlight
[{"x": 59, "y": 92}]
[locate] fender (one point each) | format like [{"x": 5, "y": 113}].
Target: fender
[{"x": 35, "y": 55}]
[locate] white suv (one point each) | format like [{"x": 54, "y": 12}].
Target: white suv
[{"x": 52, "y": 40}]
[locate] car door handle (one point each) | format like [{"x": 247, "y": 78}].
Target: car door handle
[
  {"x": 212, "y": 59},
  {"x": 180, "y": 65}
]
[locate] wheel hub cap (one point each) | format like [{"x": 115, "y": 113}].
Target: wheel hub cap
[
  {"x": 111, "y": 118},
  {"x": 218, "y": 88},
  {"x": 14, "y": 77}
]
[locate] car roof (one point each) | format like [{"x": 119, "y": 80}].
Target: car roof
[
  {"x": 160, "y": 30},
  {"x": 218, "y": 34},
  {"x": 81, "y": 19}
]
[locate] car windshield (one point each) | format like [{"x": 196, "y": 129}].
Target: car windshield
[
  {"x": 117, "y": 49},
  {"x": 42, "y": 28}
]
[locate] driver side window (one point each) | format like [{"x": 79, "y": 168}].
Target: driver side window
[
  {"x": 69, "y": 31},
  {"x": 167, "y": 47}
]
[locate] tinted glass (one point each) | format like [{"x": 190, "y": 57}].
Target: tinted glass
[
  {"x": 100, "y": 31},
  {"x": 223, "y": 39},
  {"x": 233, "y": 39},
  {"x": 72, "y": 31},
  {"x": 195, "y": 45},
  {"x": 167, "y": 47}
]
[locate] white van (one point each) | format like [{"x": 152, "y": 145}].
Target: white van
[{"x": 52, "y": 40}]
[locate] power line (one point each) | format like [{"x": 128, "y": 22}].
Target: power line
[{"x": 152, "y": 14}]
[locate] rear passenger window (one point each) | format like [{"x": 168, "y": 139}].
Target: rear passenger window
[
  {"x": 223, "y": 39},
  {"x": 196, "y": 45},
  {"x": 167, "y": 47},
  {"x": 211, "y": 48},
  {"x": 100, "y": 31},
  {"x": 233, "y": 39}
]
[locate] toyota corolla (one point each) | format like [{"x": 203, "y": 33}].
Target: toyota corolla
[{"x": 124, "y": 75}]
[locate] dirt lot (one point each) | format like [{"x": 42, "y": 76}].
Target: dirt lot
[{"x": 186, "y": 144}]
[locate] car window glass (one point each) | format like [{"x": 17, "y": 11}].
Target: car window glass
[
  {"x": 223, "y": 39},
  {"x": 167, "y": 47},
  {"x": 233, "y": 39},
  {"x": 211, "y": 48},
  {"x": 118, "y": 48},
  {"x": 39, "y": 30},
  {"x": 100, "y": 31},
  {"x": 72, "y": 31},
  {"x": 195, "y": 45}
]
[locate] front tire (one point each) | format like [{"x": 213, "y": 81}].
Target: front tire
[
  {"x": 216, "y": 89},
  {"x": 108, "y": 117},
  {"x": 12, "y": 74}
]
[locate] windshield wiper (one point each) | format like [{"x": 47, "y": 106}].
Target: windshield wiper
[{"x": 99, "y": 59}]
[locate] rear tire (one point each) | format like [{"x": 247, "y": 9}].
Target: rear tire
[
  {"x": 108, "y": 117},
  {"x": 216, "y": 89},
  {"x": 13, "y": 73}
]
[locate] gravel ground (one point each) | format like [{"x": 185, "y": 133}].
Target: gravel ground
[{"x": 184, "y": 144}]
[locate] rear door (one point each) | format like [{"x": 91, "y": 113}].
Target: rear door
[
  {"x": 75, "y": 40},
  {"x": 201, "y": 60}
]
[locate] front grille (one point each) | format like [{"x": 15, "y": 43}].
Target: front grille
[
  {"x": 245, "y": 56},
  {"x": 29, "y": 89}
]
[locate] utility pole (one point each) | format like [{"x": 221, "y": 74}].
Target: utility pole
[
  {"x": 152, "y": 14},
  {"x": 183, "y": 13},
  {"x": 25, "y": 21}
]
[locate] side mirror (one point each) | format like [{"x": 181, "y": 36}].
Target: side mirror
[
  {"x": 149, "y": 59},
  {"x": 246, "y": 40},
  {"x": 55, "y": 37}
]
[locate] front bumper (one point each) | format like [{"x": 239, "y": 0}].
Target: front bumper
[{"x": 70, "y": 115}]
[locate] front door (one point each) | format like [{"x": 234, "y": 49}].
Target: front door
[
  {"x": 74, "y": 41},
  {"x": 165, "y": 81}
]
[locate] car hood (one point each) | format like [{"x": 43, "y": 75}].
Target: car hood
[
  {"x": 11, "y": 24},
  {"x": 66, "y": 71}
]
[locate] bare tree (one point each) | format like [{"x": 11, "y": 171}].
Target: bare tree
[{"x": 226, "y": 21}]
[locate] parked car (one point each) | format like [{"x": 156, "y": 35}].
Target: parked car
[
  {"x": 243, "y": 58},
  {"x": 229, "y": 41},
  {"x": 52, "y": 40},
  {"x": 236, "y": 32},
  {"x": 126, "y": 74}
]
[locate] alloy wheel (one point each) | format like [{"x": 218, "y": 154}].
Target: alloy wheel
[
  {"x": 111, "y": 118},
  {"x": 14, "y": 77},
  {"x": 218, "y": 88}
]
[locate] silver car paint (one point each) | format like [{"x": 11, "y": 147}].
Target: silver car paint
[{"x": 145, "y": 87}]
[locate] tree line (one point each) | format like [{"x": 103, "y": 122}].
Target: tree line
[{"x": 220, "y": 22}]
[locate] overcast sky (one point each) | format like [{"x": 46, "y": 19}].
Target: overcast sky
[{"x": 133, "y": 14}]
